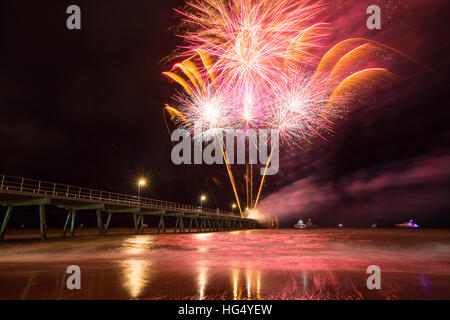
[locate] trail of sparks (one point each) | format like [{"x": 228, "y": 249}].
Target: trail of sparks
[
  {"x": 230, "y": 173},
  {"x": 262, "y": 181}
]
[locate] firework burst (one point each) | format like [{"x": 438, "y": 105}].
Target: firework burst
[
  {"x": 254, "y": 64},
  {"x": 251, "y": 40}
]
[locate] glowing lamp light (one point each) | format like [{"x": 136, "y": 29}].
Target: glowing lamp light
[{"x": 202, "y": 198}]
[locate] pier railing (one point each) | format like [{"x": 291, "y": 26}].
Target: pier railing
[{"x": 64, "y": 191}]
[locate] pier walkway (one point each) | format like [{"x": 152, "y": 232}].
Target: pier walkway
[{"x": 17, "y": 191}]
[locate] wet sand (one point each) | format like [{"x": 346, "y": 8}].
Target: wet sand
[{"x": 253, "y": 264}]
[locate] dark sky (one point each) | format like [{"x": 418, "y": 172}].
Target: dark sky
[{"x": 85, "y": 108}]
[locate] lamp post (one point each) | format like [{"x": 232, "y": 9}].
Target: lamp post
[
  {"x": 233, "y": 206},
  {"x": 141, "y": 183},
  {"x": 202, "y": 198}
]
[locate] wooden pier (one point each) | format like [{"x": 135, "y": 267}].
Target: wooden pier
[{"x": 19, "y": 192}]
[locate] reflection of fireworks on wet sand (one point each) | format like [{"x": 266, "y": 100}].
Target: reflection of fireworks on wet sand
[{"x": 311, "y": 264}]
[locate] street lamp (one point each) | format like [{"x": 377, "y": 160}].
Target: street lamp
[
  {"x": 233, "y": 206},
  {"x": 141, "y": 183},
  {"x": 202, "y": 198}
]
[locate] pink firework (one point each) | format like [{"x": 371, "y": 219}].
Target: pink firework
[
  {"x": 251, "y": 41},
  {"x": 254, "y": 64}
]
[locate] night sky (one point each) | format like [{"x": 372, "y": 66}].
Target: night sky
[{"x": 85, "y": 108}]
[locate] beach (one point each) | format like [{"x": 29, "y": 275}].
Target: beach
[{"x": 252, "y": 264}]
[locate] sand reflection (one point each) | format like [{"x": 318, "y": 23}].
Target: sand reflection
[
  {"x": 136, "y": 269},
  {"x": 247, "y": 286},
  {"x": 202, "y": 281}
]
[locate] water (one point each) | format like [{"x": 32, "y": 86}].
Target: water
[{"x": 253, "y": 264}]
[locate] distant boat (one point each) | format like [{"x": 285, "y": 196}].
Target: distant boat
[
  {"x": 301, "y": 225},
  {"x": 374, "y": 225},
  {"x": 409, "y": 225}
]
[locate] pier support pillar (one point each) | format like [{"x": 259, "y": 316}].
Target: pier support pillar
[
  {"x": 42, "y": 222},
  {"x": 108, "y": 222},
  {"x": 182, "y": 225},
  {"x": 208, "y": 221},
  {"x": 72, "y": 223},
  {"x": 5, "y": 221},
  {"x": 176, "y": 224},
  {"x": 179, "y": 224},
  {"x": 99, "y": 221},
  {"x": 141, "y": 223},
  {"x": 190, "y": 223},
  {"x": 66, "y": 224},
  {"x": 135, "y": 221},
  {"x": 161, "y": 225}
]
